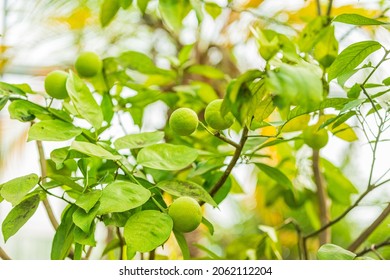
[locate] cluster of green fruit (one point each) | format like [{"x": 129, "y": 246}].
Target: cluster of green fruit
[
  {"x": 87, "y": 65},
  {"x": 184, "y": 121}
]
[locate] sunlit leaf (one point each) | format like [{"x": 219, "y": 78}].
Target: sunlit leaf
[
  {"x": 356, "y": 19},
  {"x": 14, "y": 190},
  {"x": 334, "y": 252},
  {"x": 53, "y": 130}
]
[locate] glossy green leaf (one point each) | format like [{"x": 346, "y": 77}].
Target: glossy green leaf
[
  {"x": 88, "y": 200},
  {"x": 108, "y": 11},
  {"x": 83, "y": 100},
  {"x": 186, "y": 188},
  {"x": 334, "y": 252},
  {"x": 83, "y": 219},
  {"x": 6, "y": 88},
  {"x": 85, "y": 238},
  {"x": 339, "y": 187},
  {"x": 351, "y": 57},
  {"x": 173, "y": 12},
  {"x": 166, "y": 156},
  {"x": 136, "y": 141},
  {"x": 125, "y": 3},
  {"x": 276, "y": 175},
  {"x": 147, "y": 230},
  {"x": 93, "y": 150},
  {"x": 326, "y": 50},
  {"x": 298, "y": 85},
  {"x": 142, "y": 5},
  {"x": 141, "y": 62},
  {"x": 120, "y": 196},
  {"x": 356, "y": 19},
  {"x": 53, "y": 130},
  {"x": 206, "y": 71},
  {"x": 26, "y": 111},
  {"x": 3, "y": 102},
  {"x": 344, "y": 132},
  {"x": 64, "y": 235},
  {"x": 19, "y": 215},
  {"x": 15, "y": 190}
]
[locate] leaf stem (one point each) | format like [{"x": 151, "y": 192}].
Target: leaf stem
[
  {"x": 220, "y": 136},
  {"x": 373, "y": 247}
]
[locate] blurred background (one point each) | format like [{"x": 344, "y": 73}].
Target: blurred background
[{"x": 42, "y": 35}]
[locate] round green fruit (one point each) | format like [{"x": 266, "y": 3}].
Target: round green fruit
[
  {"x": 184, "y": 121},
  {"x": 315, "y": 138},
  {"x": 55, "y": 84},
  {"x": 214, "y": 118},
  {"x": 186, "y": 214},
  {"x": 88, "y": 64}
]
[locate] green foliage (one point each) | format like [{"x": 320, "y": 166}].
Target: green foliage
[{"x": 261, "y": 115}]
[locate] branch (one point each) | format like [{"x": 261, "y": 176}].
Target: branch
[
  {"x": 329, "y": 10},
  {"x": 365, "y": 234},
  {"x": 232, "y": 163},
  {"x": 220, "y": 136},
  {"x": 373, "y": 247},
  {"x": 46, "y": 203},
  {"x": 121, "y": 243},
  {"x": 3, "y": 255},
  {"x": 319, "y": 12},
  {"x": 322, "y": 199}
]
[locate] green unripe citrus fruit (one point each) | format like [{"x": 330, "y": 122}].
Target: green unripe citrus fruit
[
  {"x": 55, "y": 84},
  {"x": 214, "y": 118},
  {"x": 186, "y": 214},
  {"x": 88, "y": 64},
  {"x": 315, "y": 138},
  {"x": 183, "y": 121}
]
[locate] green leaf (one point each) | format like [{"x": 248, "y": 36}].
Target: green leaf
[
  {"x": 87, "y": 201},
  {"x": 337, "y": 103},
  {"x": 326, "y": 50},
  {"x": 3, "y": 102},
  {"x": 344, "y": 132},
  {"x": 206, "y": 71},
  {"x": 208, "y": 225},
  {"x": 14, "y": 190},
  {"x": 125, "y": 3},
  {"x": 334, "y": 252},
  {"x": 9, "y": 88},
  {"x": 64, "y": 235},
  {"x": 120, "y": 196},
  {"x": 141, "y": 62},
  {"x": 186, "y": 188},
  {"x": 181, "y": 241},
  {"x": 53, "y": 130},
  {"x": 166, "y": 156},
  {"x": 298, "y": 85},
  {"x": 351, "y": 57},
  {"x": 147, "y": 230},
  {"x": 19, "y": 215},
  {"x": 136, "y": 141},
  {"x": 83, "y": 219},
  {"x": 142, "y": 5},
  {"x": 275, "y": 174},
  {"x": 93, "y": 150},
  {"x": 83, "y": 100},
  {"x": 356, "y": 19},
  {"x": 108, "y": 11},
  {"x": 173, "y": 12},
  {"x": 26, "y": 111},
  {"x": 85, "y": 238},
  {"x": 214, "y": 10},
  {"x": 340, "y": 188}
]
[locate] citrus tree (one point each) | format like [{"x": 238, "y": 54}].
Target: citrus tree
[{"x": 309, "y": 86}]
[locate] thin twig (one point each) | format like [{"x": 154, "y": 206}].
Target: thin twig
[
  {"x": 319, "y": 12},
  {"x": 45, "y": 201},
  {"x": 373, "y": 247},
  {"x": 121, "y": 243},
  {"x": 365, "y": 234},
  {"x": 232, "y": 163},
  {"x": 220, "y": 136},
  {"x": 329, "y": 10},
  {"x": 4, "y": 255}
]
